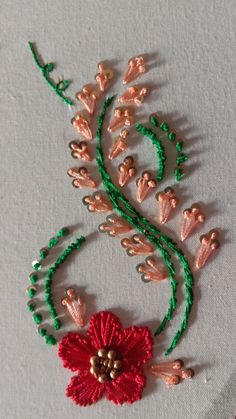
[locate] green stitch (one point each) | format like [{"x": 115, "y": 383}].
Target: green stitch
[
  {"x": 31, "y": 292},
  {"x": 49, "y": 276},
  {"x": 37, "y": 318},
  {"x": 33, "y": 278},
  {"x": 31, "y": 307},
  {"x": 59, "y": 87},
  {"x": 181, "y": 157},
  {"x": 50, "y": 340},
  {"x": 148, "y": 133},
  {"x": 138, "y": 221}
]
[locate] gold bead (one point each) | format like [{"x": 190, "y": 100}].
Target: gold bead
[
  {"x": 105, "y": 362},
  {"x": 102, "y": 353},
  {"x": 110, "y": 363},
  {"x": 111, "y": 354},
  {"x": 94, "y": 370},
  {"x": 114, "y": 374},
  {"x": 102, "y": 378},
  {"x": 117, "y": 364},
  {"x": 94, "y": 360}
]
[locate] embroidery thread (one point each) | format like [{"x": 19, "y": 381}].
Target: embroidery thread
[{"x": 46, "y": 69}]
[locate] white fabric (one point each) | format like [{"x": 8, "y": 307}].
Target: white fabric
[{"x": 191, "y": 47}]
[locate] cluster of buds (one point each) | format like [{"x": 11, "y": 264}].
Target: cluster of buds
[
  {"x": 167, "y": 201},
  {"x": 82, "y": 178},
  {"x": 171, "y": 372},
  {"x": 137, "y": 245},
  {"x": 80, "y": 150},
  {"x": 126, "y": 170},
  {"x": 151, "y": 270},
  {"x": 75, "y": 306},
  {"x": 97, "y": 202},
  {"x": 114, "y": 226},
  {"x": 192, "y": 217}
]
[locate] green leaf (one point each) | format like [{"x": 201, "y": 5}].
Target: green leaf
[
  {"x": 62, "y": 85},
  {"x": 48, "y": 68}
]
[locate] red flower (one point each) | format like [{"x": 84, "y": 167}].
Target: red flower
[{"x": 108, "y": 360}]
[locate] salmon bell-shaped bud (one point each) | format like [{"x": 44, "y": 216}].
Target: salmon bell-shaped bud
[
  {"x": 82, "y": 125},
  {"x": 145, "y": 184},
  {"x": 75, "y": 306},
  {"x": 134, "y": 95},
  {"x": 151, "y": 271},
  {"x": 115, "y": 226},
  {"x": 97, "y": 202},
  {"x": 172, "y": 372},
  {"x": 82, "y": 178},
  {"x": 137, "y": 245},
  {"x": 209, "y": 244},
  {"x": 122, "y": 117},
  {"x": 103, "y": 76},
  {"x": 119, "y": 144},
  {"x": 136, "y": 67},
  {"x": 192, "y": 217},
  {"x": 167, "y": 201},
  {"x": 126, "y": 170},
  {"x": 80, "y": 150},
  {"x": 88, "y": 97}
]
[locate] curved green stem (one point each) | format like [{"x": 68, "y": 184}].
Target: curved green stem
[
  {"x": 148, "y": 133},
  {"x": 61, "y": 86},
  {"x": 143, "y": 225},
  {"x": 49, "y": 277}
]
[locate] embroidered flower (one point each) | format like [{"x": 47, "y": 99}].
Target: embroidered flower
[{"x": 108, "y": 360}]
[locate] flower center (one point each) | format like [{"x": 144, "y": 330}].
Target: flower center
[{"x": 105, "y": 365}]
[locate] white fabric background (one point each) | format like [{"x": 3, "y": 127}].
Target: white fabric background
[{"x": 191, "y": 45}]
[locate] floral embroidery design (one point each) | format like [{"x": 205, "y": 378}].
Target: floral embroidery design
[{"x": 93, "y": 358}]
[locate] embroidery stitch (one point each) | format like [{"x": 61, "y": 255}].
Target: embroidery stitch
[
  {"x": 139, "y": 222},
  {"x": 33, "y": 278},
  {"x": 59, "y": 87}
]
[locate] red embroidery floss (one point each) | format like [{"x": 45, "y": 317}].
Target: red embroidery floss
[{"x": 108, "y": 361}]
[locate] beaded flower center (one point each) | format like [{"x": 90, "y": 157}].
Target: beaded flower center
[{"x": 105, "y": 365}]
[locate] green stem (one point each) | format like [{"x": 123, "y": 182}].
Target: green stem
[
  {"x": 49, "y": 277},
  {"x": 143, "y": 225},
  {"x": 148, "y": 133},
  {"x": 45, "y": 70}
]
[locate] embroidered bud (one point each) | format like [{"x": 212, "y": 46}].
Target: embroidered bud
[
  {"x": 126, "y": 170},
  {"x": 88, "y": 97},
  {"x": 75, "y": 306},
  {"x": 137, "y": 245},
  {"x": 97, "y": 203},
  {"x": 122, "y": 117},
  {"x": 115, "y": 226},
  {"x": 82, "y": 125},
  {"x": 136, "y": 67},
  {"x": 134, "y": 95},
  {"x": 82, "y": 178},
  {"x": 171, "y": 372},
  {"x": 144, "y": 186},
  {"x": 167, "y": 201},
  {"x": 151, "y": 270},
  {"x": 80, "y": 150},
  {"x": 192, "y": 217},
  {"x": 209, "y": 244},
  {"x": 119, "y": 144},
  {"x": 103, "y": 76}
]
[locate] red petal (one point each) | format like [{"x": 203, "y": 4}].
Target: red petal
[
  {"x": 75, "y": 351},
  {"x": 84, "y": 389},
  {"x": 103, "y": 329},
  {"x": 127, "y": 388},
  {"x": 135, "y": 345}
]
